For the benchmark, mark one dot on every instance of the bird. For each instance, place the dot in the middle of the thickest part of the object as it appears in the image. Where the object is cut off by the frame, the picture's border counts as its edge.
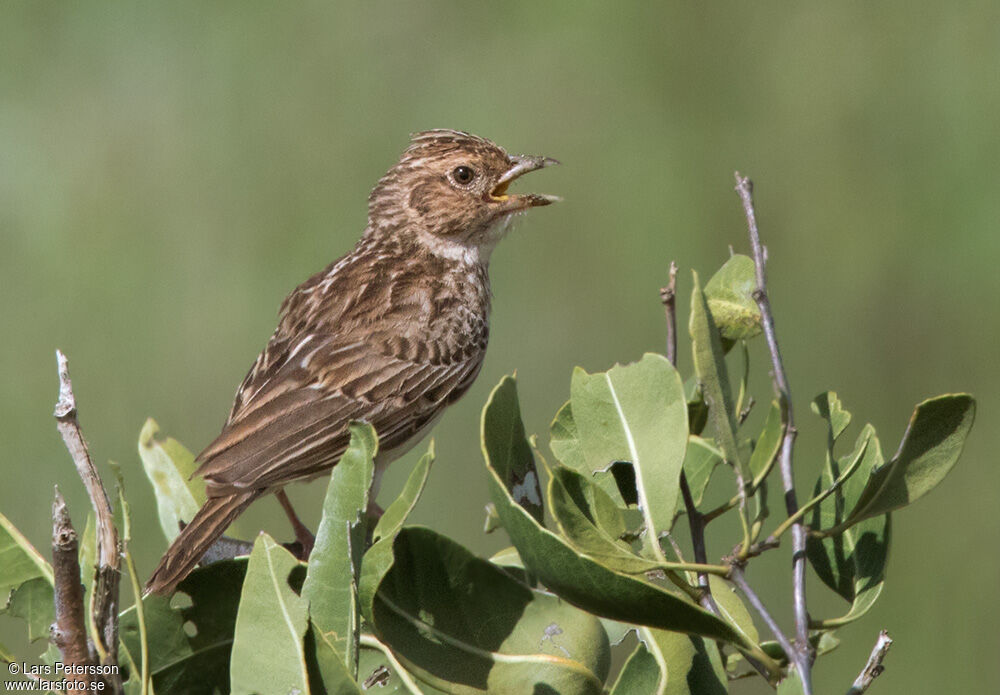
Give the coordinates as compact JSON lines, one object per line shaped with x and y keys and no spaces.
{"x":389,"y":334}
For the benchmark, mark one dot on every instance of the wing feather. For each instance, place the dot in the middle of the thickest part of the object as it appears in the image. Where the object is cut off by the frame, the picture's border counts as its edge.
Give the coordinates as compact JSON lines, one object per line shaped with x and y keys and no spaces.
{"x":364,"y":340}
{"x":303,"y":431}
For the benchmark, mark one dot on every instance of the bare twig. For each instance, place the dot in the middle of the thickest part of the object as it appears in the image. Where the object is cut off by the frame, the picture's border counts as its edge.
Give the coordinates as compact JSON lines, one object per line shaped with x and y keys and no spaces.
{"x":744,"y":188}
{"x":873,"y":669}
{"x":668,"y":295}
{"x":104,"y":596}
{"x":736,"y":577}
{"x":69,"y":631}
{"x":696,"y":520}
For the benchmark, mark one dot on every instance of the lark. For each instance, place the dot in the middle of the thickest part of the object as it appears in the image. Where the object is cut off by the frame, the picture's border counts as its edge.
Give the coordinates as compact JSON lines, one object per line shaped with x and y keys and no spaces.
{"x":390,"y":334}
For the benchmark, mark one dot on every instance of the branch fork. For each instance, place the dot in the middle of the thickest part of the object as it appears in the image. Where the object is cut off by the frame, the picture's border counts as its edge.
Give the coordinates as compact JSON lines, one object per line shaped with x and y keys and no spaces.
{"x":102,"y":646}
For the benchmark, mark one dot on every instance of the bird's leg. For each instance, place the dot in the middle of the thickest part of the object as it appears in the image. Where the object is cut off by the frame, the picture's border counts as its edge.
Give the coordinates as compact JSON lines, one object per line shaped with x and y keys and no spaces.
{"x":303,"y":535}
{"x":374,"y":511}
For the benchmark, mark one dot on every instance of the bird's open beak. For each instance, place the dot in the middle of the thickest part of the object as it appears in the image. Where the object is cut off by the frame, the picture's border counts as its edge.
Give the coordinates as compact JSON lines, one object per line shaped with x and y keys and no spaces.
{"x":522,"y":164}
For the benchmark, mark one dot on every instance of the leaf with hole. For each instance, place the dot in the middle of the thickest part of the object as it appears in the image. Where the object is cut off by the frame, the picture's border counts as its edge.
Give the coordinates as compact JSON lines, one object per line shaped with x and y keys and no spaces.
{"x":193,"y":641}
{"x":380,"y":672}
{"x":581,"y":580}
{"x":634,"y":413}
{"x":590,"y":520}
{"x":514,"y":459}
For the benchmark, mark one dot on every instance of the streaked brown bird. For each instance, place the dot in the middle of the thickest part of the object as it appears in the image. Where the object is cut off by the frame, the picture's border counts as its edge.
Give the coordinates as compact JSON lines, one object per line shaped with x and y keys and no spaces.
{"x":390,"y":334}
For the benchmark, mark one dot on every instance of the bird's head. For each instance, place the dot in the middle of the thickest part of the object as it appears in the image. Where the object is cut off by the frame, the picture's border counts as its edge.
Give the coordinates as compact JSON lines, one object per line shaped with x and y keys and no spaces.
{"x":449,"y":190}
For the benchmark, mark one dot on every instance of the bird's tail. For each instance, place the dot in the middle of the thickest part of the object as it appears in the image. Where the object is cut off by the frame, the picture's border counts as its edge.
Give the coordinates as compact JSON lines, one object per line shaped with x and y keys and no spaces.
{"x":197,"y":537}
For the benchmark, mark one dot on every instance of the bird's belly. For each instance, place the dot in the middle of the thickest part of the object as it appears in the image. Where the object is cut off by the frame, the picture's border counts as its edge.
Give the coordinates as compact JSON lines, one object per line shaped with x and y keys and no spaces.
{"x":384,"y":458}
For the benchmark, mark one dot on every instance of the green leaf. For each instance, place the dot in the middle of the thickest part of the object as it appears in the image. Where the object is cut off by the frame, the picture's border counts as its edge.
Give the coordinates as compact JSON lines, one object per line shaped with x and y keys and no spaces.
{"x":931,"y":445}
{"x":591,"y":522}
{"x":822,"y":642}
{"x":829,"y":407}
{"x":732,"y":608}
{"x":19,"y":561}
{"x":566,"y":446}
{"x":88,"y":551}
{"x":565,"y":441}
{"x":169,"y":467}
{"x":25,"y":581}
{"x":7,"y":656}
{"x":768,"y":443}
{"x":32,"y":601}
{"x":792,"y":684}
{"x":268,"y":654}
{"x":696,"y":405}
{"x":503,"y":435}
{"x":644,"y":673}
{"x":330,"y":586}
{"x":671,"y":663}
{"x":699,"y":463}
{"x":378,"y":559}
{"x":464,"y":625}
{"x":693,"y":665}
{"x":587,"y":583}
{"x":507,"y":557}
{"x":510,"y":562}
{"x":710,"y":367}
{"x":327,"y":671}
{"x":634,"y":413}
{"x":393,"y":518}
{"x":641,"y":674}
{"x":852,"y":563}
{"x":181,"y":664}
{"x":170,"y":652}
{"x":730,"y":299}
{"x":386,"y":675}
{"x":617,"y":632}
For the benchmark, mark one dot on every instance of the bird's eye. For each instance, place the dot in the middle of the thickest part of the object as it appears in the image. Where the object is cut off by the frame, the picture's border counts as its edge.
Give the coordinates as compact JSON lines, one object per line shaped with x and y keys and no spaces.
{"x":463,"y":175}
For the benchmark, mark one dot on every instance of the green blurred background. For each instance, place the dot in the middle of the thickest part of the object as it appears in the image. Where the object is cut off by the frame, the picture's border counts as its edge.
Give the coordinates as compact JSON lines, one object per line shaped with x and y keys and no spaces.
{"x":169,"y":171}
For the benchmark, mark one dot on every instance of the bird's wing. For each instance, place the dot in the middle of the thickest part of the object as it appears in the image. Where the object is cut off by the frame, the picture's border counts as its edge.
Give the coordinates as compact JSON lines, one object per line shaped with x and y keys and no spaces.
{"x":290,"y":422}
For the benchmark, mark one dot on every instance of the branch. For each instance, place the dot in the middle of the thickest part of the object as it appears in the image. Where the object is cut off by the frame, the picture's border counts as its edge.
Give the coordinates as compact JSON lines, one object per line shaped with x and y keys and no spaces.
{"x":736,"y":577}
{"x":873,"y":669}
{"x":104,"y":596}
{"x":69,"y":631}
{"x":668,"y":295}
{"x":696,"y":520}
{"x":745,"y":190}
